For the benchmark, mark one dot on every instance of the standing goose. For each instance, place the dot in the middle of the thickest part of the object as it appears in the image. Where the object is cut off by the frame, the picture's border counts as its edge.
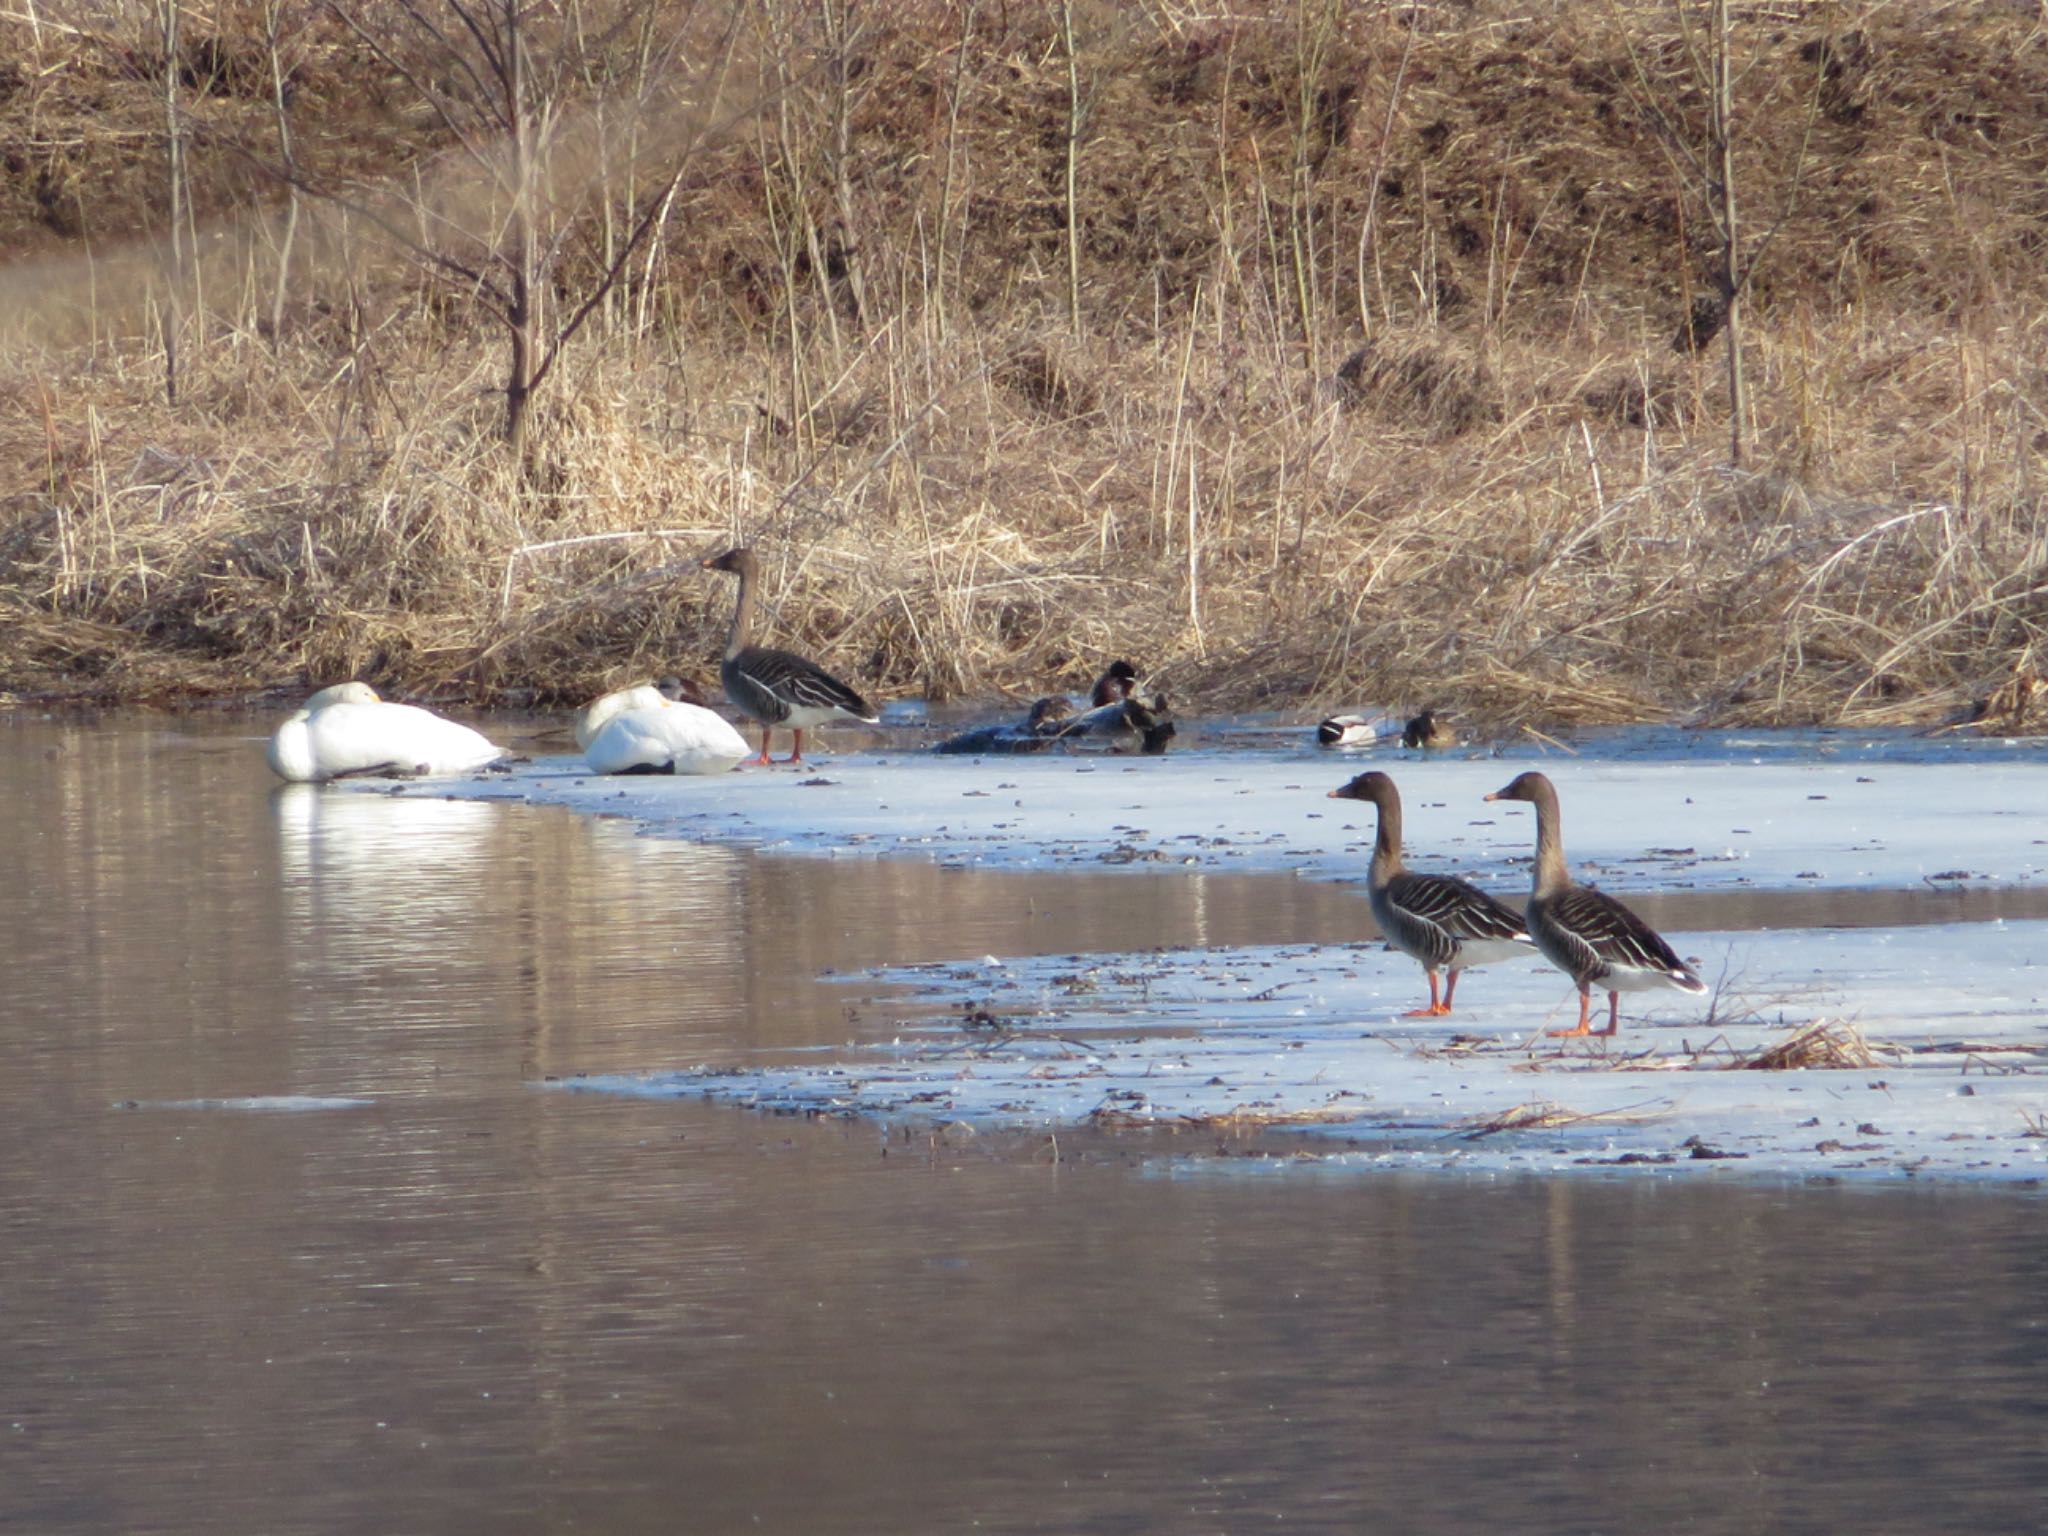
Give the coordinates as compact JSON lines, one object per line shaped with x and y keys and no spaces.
{"x":1440,"y":920}
{"x":777,"y":687}
{"x":1585,"y":933}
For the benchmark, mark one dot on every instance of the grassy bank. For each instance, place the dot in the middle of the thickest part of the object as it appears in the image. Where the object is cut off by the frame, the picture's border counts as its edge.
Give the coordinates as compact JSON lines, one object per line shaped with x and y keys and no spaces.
{"x":1341,"y":360}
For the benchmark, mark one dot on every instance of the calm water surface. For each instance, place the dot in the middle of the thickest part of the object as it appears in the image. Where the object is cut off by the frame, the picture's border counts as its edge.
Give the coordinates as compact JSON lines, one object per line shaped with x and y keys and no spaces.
{"x":458,"y":1301}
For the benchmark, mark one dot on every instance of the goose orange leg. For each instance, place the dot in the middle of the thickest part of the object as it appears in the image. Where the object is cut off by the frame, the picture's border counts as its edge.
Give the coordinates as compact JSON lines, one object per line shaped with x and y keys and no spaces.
{"x":1585,"y":1019}
{"x":1435,"y":1010}
{"x":767,"y":732}
{"x":796,"y":753}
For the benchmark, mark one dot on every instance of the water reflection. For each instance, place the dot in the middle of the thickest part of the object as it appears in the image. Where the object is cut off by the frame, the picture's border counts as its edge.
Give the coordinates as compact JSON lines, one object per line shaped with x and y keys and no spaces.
{"x":477,"y":1306}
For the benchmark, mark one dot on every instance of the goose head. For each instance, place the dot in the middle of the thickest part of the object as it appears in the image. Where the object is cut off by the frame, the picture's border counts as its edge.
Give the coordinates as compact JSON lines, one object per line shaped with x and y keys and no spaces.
{"x":1526,"y":786}
{"x":739,"y":560}
{"x":1367,"y":786}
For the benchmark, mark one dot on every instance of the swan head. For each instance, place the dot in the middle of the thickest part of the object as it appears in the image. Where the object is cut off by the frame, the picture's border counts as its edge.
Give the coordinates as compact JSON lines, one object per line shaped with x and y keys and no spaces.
{"x":676,"y":691}
{"x":342,"y":693}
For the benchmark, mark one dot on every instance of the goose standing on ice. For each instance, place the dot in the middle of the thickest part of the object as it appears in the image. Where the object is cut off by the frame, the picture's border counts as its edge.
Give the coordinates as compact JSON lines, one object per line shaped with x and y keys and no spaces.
{"x":777,"y":687}
{"x":346,"y":731}
{"x":1585,"y":933}
{"x":1446,"y":923}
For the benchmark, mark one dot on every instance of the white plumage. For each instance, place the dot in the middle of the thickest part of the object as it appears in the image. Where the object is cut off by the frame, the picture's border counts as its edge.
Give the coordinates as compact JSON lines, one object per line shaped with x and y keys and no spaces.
{"x":673,"y":738}
{"x":346,"y":731}
{"x":593,"y":716}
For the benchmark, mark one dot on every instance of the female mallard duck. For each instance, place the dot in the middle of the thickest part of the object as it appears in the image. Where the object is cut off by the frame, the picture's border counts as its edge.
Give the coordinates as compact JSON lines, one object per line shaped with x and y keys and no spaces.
{"x":1585,"y":933}
{"x":1427,"y":731}
{"x":1118,"y":681}
{"x":346,"y":731}
{"x":777,"y":687}
{"x":1440,"y":920}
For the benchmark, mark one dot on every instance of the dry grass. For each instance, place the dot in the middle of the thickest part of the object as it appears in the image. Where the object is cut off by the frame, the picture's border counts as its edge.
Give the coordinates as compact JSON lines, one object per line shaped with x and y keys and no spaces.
{"x":1372,"y":395}
{"x":1825,"y":1044}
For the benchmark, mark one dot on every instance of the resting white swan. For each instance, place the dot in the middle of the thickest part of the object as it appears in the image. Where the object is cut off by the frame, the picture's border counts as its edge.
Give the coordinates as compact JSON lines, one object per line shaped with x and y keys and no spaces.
{"x":665,"y":738}
{"x":641,"y":696}
{"x":346,"y":731}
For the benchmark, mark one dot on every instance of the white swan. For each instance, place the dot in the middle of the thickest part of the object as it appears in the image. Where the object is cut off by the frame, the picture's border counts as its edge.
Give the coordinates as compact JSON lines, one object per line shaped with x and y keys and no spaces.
{"x":664,"y":738}
{"x":590,"y":720}
{"x":346,"y":731}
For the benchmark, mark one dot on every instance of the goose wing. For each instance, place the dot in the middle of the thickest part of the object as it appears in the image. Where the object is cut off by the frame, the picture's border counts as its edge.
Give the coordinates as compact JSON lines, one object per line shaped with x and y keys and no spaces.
{"x":794,"y":682}
{"x":1603,"y":936}
{"x":1433,"y":916}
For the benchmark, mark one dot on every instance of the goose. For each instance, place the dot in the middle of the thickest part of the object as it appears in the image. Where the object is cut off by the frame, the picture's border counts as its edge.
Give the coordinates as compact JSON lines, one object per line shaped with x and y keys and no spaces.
{"x":346,"y":731}
{"x":1446,"y":923}
{"x":1585,"y":933}
{"x":777,"y":687}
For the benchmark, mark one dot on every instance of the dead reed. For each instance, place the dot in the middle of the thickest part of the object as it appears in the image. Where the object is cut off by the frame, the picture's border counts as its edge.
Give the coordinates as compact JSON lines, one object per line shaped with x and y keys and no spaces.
{"x":1825,"y":1044}
{"x":1339,"y":369}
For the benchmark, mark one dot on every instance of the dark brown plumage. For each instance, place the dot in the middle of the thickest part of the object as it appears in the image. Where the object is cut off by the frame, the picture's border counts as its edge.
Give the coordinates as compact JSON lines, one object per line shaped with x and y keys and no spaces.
{"x":1585,"y":933}
{"x":777,"y":687}
{"x":1446,"y":923}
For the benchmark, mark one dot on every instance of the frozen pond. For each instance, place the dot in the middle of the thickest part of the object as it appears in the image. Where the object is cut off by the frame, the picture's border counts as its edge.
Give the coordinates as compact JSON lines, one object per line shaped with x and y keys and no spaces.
{"x":297,"y":1239}
{"x":1872,"y":905}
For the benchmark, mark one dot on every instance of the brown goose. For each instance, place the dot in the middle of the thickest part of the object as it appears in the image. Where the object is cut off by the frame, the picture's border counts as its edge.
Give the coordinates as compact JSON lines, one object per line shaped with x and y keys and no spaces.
{"x":1440,"y":920}
{"x":777,"y":687}
{"x":1585,"y":933}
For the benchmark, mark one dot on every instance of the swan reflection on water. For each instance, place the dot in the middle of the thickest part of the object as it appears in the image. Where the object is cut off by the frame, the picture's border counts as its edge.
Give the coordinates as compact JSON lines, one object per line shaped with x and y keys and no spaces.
{"x":409,"y":910}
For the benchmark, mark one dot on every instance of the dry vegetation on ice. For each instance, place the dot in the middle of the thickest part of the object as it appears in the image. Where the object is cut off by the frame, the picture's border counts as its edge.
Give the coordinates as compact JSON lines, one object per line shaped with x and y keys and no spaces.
{"x":1342,"y":357}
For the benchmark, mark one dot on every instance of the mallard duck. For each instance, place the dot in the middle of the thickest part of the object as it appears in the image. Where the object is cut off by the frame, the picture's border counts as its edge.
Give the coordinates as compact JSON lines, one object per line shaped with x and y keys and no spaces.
{"x":777,"y":687}
{"x":1585,"y":933}
{"x":1426,"y":731}
{"x":1446,"y":923}
{"x":1353,"y":730}
{"x":1119,"y":679}
{"x":346,"y":731}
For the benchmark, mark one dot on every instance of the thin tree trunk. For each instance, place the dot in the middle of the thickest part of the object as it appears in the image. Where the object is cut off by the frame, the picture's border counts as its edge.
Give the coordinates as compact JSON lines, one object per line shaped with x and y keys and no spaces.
{"x":1732,"y":274}
{"x":1073,"y":168}
{"x":521,"y":316}
{"x":842,"y":34}
{"x":175,"y":167}
{"x":272,"y":24}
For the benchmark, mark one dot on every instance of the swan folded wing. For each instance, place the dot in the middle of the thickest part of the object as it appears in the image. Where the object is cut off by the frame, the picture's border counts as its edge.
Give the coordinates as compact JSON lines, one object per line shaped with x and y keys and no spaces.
{"x":676,"y":738}
{"x":1609,"y":943}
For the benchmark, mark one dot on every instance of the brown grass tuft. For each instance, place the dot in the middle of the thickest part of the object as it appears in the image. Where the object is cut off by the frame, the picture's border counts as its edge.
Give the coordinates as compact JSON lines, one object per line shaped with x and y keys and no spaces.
{"x":1822,"y":1045}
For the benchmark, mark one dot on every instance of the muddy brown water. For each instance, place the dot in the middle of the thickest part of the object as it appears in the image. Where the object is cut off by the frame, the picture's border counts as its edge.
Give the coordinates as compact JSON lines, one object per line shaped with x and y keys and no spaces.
{"x":425,"y":1294}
